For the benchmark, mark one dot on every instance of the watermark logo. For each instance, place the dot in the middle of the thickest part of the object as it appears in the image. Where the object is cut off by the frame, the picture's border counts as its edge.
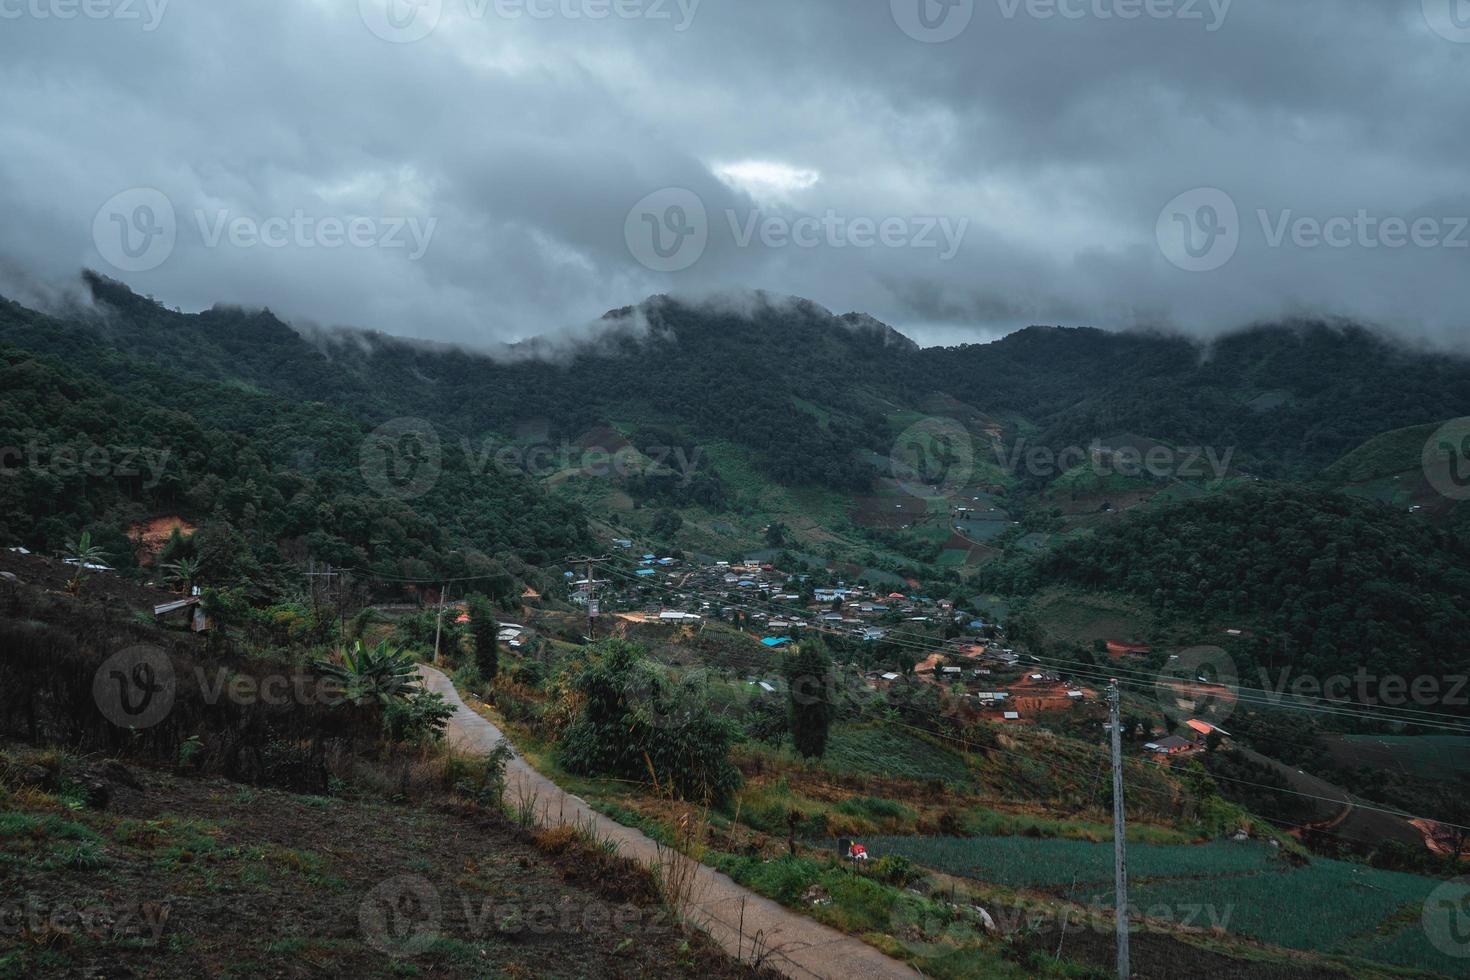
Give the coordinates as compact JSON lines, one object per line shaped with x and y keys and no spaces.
{"x":1365,"y":687}
{"x":1446,"y":918}
{"x":402,"y":459}
{"x":678,"y":12}
{"x":668,"y":230}
{"x":1199,"y":683}
{"x":1363,"y":229}
{"x":41,"y":919}
{"x":933,"y":457}
{"x":1211,"y":13}
{"x":407,"y":916}
{"x":302,"y":230}
{"x":1199,"y":231}
{"x":402,"y":916}
{"x":136,"y":230}
{"x":401,"y":21}
{"x":933,"y":21}
{"x":87,"y":459}
{"x":135,"y":688}
{"x":1447,"y":459}
{"x":1155,"y":460}
{"x":148,"y":12}
{"x":834,"y":230}
{"x":1450,"y":19}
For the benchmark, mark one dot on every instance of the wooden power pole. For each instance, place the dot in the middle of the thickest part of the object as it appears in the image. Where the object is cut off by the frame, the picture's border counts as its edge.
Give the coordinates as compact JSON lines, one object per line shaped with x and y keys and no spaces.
{"x":439,"y":622}
{"x":1120,"y":841}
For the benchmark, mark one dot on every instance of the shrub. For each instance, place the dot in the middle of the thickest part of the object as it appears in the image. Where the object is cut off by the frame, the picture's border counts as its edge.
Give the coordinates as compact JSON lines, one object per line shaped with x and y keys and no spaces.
{"x":896,"y":870}
{"x":633,"y":725}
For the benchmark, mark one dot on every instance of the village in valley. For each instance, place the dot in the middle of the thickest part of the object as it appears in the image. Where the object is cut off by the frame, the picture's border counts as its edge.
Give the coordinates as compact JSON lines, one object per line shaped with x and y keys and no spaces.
{"x":964,"y":655}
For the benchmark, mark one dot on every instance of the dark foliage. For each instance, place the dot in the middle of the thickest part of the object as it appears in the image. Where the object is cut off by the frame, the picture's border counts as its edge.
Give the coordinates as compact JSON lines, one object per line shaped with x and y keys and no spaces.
{"x":637,"y":725}
{"x":812,"y":687}
{"x":484,"y":633}
{"x":1334,"y":584}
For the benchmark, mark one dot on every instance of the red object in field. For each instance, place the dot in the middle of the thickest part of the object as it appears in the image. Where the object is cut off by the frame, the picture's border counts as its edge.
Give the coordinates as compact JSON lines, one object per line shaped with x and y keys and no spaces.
{"x":858,"y":852}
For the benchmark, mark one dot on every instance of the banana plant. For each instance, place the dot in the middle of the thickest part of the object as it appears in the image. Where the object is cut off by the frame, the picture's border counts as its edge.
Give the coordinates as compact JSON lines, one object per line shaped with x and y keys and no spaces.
{"x":382,"y":674}
{"x":82,"y":552}
{"x":184,"y":571}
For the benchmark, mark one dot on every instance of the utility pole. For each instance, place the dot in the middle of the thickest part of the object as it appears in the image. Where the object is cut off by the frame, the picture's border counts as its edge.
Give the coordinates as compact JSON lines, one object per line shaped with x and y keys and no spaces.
{"x":1120,"y":842}
{"x":318,"y":590}
{"x":439,"y":622}
{"x":593,"y":611}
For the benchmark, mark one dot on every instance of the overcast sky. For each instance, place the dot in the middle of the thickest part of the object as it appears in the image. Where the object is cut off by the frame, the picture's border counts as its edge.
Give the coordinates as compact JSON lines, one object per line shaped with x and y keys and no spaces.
{"x":484,"y":170}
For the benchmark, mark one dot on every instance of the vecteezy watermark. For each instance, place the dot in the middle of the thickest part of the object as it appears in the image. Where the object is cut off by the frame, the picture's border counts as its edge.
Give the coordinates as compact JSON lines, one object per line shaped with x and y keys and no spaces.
{"x":402,"y":459}
{"x":1211,"y":13}
{"x":138,"y":687}
{"x":1200,"y":683}
{"x":138,"y":229}
{"x":302,"y":230}
{"x":401,"y":916}
{"x":1446,"y":918}
{"x":933,"y":456}
{"x":43,"y":920}
{"x":937,"y":21}
{"x":148,"y":13}
{"x":938,"y":456}
{"x":834,"y":230}
{"x":406,"y":21}
{"x":88,"y":459}
{"x":135,"y":687}
{"x":405,"y":916}
{"x":1447,"y":459}
{"x":1450,"y":19}
{"x":933,"y":21}
{"x":930,"y":928}
{"x":1157,"y":460}
{"x":1201,"y":230}
{"x":669,"y":230}
{"x":135,"y":231}
{"x":1366,"y":687}
{"x":541,"y":460}
{"x":1363,"y":229}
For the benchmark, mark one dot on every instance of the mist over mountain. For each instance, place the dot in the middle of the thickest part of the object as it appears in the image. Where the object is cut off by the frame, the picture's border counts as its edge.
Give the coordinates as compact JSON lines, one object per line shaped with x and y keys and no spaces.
{"x":1056,"y":143}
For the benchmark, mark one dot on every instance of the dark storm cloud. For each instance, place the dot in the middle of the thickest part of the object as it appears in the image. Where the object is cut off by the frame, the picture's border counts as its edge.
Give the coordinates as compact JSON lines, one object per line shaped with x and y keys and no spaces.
{"x":479,"y":183}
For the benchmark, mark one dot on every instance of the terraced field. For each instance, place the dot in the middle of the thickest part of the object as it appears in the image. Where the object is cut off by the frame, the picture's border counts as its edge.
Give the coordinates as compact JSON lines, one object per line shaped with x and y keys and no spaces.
{"x":1244,"y":888}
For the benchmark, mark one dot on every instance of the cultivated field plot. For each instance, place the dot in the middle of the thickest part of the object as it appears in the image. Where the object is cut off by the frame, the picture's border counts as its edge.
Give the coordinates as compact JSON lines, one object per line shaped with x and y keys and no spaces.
{"x":874,"y":751}
{"x":1427,"y":756}
{"x":1354,"y":910}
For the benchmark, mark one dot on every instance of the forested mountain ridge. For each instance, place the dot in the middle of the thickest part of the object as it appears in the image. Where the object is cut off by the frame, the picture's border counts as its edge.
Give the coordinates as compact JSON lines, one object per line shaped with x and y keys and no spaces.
{"x":270,"y":481}
{"x":813,"y":399}
{"x":1330,"y":583}
{"x":1289,"y":400}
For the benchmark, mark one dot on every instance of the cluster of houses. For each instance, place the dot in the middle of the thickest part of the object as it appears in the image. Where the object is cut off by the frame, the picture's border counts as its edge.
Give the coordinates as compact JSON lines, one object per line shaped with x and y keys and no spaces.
{"x":1195,"y":735}
{"x":977,"y":671}
{"x":755,"y":592}
{"x":990,"y":682}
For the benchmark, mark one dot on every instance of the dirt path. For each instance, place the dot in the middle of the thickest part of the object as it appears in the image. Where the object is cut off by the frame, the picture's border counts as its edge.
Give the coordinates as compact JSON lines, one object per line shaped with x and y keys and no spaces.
{"x":801,"y":948}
